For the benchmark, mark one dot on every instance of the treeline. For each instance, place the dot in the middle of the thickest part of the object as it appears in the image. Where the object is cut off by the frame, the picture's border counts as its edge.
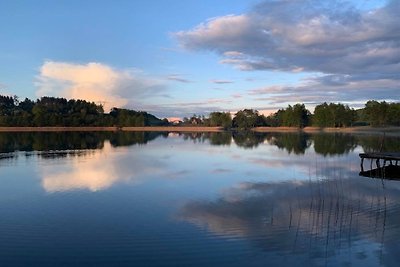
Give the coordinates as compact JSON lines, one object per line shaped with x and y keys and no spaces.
{"x":52,"y":111}
{"x":337,"y":115}
{"x":325,"y":115}
{"x":381,"y":113}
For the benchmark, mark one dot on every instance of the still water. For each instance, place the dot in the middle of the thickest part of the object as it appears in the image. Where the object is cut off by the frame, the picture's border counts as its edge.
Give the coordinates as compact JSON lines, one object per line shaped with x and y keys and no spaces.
{"x":169,"y":199}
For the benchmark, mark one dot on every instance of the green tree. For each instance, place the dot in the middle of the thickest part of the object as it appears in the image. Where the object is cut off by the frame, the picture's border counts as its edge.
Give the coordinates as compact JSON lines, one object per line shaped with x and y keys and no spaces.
{"x":275,"y":119}
{"x":246,"y":119}
{"x":322,"y":116}
{"x":394,"y":114}
{"x":222,"y":119}
{"x":301,"y":116}
{"x":376,"y":112}
{"x":296,"y":116}
{"x":333,"y":115}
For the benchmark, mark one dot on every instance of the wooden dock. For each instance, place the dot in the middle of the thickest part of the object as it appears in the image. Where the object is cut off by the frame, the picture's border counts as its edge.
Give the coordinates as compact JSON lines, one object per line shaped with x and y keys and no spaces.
{"x":387,"y":165}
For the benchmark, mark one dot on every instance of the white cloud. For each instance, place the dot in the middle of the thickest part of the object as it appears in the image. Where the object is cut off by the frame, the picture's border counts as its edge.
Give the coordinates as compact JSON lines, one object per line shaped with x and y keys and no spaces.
{"x":356,"y":52}
{"x":312,"y":35}
{"x":233,"y":54}
{"x":94,"y":82}
{"x":217,"y":32}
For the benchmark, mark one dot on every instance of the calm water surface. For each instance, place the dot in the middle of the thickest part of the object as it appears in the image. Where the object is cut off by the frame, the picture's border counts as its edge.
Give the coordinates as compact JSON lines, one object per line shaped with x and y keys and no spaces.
{"x":159,"y":199}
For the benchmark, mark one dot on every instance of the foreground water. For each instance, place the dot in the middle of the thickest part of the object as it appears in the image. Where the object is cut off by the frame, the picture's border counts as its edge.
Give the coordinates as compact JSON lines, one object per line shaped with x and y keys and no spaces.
{"x":159,"y":199}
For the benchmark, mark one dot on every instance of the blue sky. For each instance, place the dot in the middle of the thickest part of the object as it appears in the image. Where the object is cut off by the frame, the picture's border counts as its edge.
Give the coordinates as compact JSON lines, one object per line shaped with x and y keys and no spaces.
{"x":175,"y":58}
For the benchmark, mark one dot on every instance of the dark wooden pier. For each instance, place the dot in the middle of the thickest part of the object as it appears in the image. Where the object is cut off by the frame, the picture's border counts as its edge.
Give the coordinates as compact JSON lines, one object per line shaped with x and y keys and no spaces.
{"x":387,"y":165}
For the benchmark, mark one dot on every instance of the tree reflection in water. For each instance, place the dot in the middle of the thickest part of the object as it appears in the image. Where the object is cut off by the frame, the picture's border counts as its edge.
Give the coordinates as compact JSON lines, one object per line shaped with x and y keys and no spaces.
{"x":63,"y":144}
{"x":325,"y":144}
{"x":333,"y":218}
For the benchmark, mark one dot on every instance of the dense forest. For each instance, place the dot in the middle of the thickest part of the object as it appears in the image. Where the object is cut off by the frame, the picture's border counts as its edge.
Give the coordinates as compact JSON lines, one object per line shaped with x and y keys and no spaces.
{"x":374,"y":113}
{"x":52,"y":111}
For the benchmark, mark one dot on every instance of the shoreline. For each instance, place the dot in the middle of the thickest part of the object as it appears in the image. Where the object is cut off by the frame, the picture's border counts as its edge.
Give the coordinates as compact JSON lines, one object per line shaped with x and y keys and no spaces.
{"x":349,"y":130}
{"x":112,"y":129}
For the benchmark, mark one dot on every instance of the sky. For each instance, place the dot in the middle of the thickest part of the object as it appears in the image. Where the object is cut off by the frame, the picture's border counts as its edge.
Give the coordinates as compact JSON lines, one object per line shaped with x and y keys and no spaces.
{"x":176,"y":58}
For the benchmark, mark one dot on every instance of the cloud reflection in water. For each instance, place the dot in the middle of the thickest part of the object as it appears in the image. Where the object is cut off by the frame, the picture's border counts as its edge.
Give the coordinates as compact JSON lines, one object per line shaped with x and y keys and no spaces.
{"x":97,"y":171}
{"x":317,"y":220}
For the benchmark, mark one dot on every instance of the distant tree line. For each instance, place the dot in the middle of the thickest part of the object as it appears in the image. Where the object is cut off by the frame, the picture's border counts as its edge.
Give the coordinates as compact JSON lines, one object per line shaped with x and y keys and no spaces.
{"x":325,"y":115}
{"x":52,"y":111}
{"x":292,"y":116}
{"x":334,"y":115}
{"x":337,"y":115}
{"x":381,"y":113}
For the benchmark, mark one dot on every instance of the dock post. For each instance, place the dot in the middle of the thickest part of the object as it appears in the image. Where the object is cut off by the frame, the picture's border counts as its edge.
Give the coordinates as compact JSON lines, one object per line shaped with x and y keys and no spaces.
{"x":362,"y":164}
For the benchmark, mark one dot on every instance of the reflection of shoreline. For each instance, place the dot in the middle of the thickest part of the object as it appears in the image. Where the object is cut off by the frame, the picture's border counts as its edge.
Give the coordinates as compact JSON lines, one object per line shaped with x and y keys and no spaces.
{"x":113,"y":129}
{"x":57,"y":129}
{"x":54,"y":154}
{"x":395,"y":131}
{"x":326,"y":144}
{"x":391,"y":131}
{"x":48,"y":142}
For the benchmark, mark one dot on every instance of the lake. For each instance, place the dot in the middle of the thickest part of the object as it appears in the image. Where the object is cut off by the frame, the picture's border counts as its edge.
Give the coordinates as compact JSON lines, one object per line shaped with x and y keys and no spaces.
{"x":200,"y":199}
